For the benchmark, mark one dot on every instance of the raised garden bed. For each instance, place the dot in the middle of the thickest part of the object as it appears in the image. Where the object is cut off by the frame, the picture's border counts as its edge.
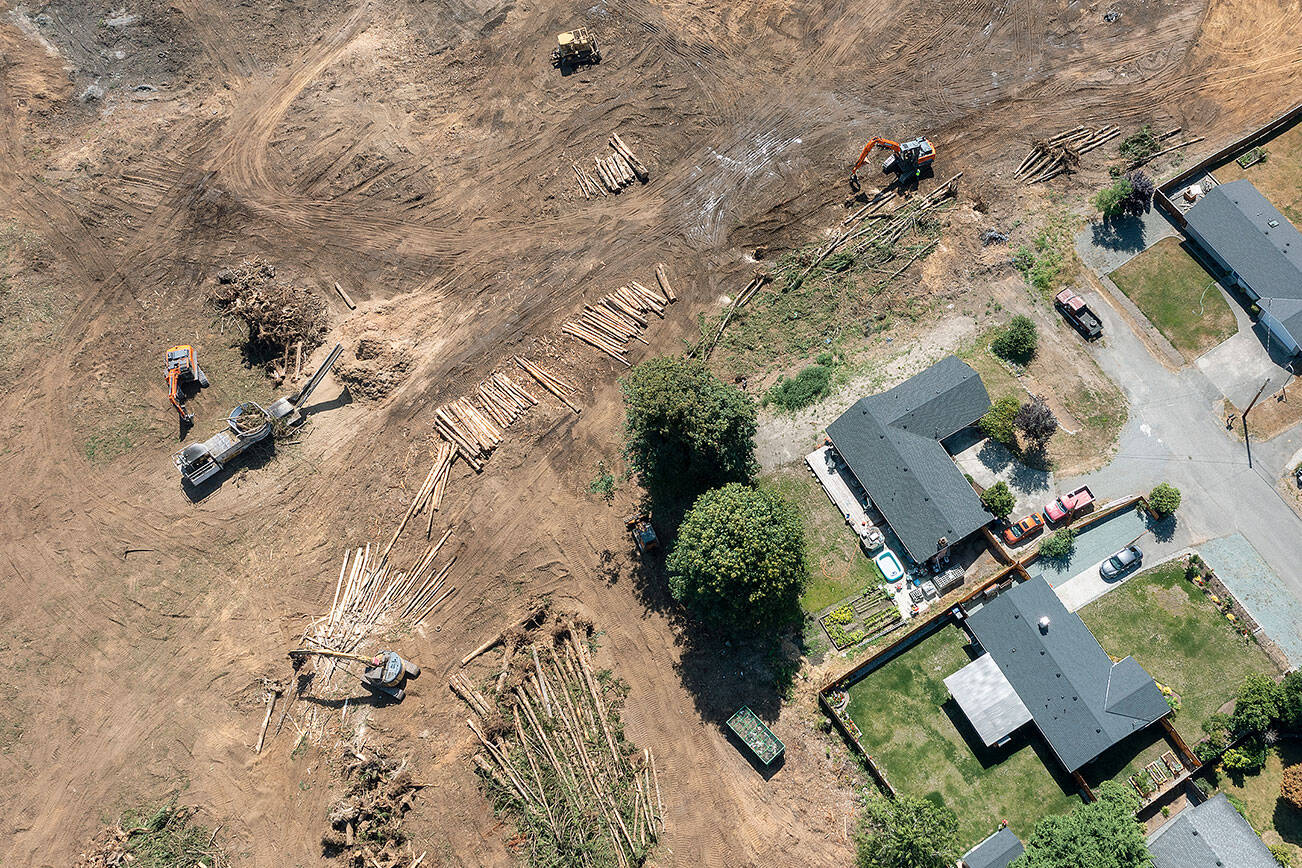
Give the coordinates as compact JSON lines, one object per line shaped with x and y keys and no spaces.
{"x":867,"y":616}
{"x":751,"y":730}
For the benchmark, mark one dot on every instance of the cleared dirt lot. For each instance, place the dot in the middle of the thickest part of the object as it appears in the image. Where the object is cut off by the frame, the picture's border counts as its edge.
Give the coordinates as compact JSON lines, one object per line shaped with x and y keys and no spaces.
{"x":419,"y":154}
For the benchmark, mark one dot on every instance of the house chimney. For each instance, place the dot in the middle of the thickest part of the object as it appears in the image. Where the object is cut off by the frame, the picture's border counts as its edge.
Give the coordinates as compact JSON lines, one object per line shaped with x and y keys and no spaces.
{"x":1044,"y":624}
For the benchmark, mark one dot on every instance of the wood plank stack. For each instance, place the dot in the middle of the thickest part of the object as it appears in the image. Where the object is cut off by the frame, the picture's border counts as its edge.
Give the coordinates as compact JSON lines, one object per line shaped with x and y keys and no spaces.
{"x":430,"y":494}
{"x":476,"y":429}
{"x":618,"y":319}
{"x":563,"y":391}
{"x":614,"y":172}
{"x":1062,"y":153}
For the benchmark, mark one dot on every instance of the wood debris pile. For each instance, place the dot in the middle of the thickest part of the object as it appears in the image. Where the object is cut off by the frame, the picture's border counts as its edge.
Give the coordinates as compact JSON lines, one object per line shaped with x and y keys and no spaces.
{"x":552,"y":747}
{"x":476,"y":425}
{"x":166,"y":837}
{"x":621,"y":316}
{"x":614,"y":172}
{"x":1062,"y":153}
{"x":366,"y":823}
{"x":278,"y":315}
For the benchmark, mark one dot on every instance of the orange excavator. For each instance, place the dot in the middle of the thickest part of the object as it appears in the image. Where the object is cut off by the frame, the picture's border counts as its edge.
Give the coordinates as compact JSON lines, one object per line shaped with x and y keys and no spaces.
{"x":907,"y":159}
{"x":182,"y":369}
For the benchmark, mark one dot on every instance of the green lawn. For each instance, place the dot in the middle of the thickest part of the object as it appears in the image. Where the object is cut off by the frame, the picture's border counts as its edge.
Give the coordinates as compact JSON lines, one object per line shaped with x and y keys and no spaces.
{"x":927,"y":748}
{"x":1178,"y":296}
{"x":838,"y":568}
{"x":1279,"y":178}
{"x":1174,"y":631}
{"x":1274,"y":820}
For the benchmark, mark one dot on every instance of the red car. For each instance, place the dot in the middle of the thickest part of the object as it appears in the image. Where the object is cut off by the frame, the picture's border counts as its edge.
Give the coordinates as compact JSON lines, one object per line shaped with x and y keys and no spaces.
{"x":1069,"y":504}
{"x":1025,"y":528}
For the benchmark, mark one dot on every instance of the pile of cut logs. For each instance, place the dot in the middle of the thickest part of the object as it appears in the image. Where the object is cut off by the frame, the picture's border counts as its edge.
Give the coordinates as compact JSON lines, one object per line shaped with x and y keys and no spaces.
{"x":614,"y":173}
{"x":1062,"y":153}
{"x":621,"y":316}
{"x":563,"y":391}
{"x":475,"y":430}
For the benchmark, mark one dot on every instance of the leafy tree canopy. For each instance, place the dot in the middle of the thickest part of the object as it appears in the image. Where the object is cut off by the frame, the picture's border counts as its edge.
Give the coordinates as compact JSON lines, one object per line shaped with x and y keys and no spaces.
{"x":998,"y":500}
{"x":1258,"y":703}
{"x":997,"y":423}
{"x":1102,"y":834}
{"x":685,"y":430}
{"x":1017,"y":341}
{"x":1058,"y":544}
{"x":739,"y":560}
{"x":1036,"y":421}
{"x":1164,"y":498}
{"x":906,"y":832}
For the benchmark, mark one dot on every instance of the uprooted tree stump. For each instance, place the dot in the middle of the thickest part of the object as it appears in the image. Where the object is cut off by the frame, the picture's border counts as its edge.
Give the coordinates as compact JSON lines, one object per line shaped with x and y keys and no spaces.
{"x":279,"y":316}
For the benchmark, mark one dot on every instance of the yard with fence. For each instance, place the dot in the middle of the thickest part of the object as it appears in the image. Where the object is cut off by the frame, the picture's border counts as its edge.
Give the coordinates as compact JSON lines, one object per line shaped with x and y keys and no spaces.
{"x":926,"y":747}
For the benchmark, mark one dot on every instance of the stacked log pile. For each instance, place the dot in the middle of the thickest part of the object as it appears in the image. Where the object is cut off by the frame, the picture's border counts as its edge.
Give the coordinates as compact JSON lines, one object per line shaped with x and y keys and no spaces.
{"x":613,"y":172}
{"x":551,"y":747}
{"x":1062,"y":153}
{"x":475,"y":429}
{"x":619,"y":318}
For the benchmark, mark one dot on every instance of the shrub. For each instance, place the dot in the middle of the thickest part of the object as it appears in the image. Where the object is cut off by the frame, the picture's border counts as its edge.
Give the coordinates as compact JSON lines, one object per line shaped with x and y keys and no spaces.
{"x":1206,"y":751}
{"x":603,"y":483}
{"x":1110,"y":200}
{"x":1140,"y":145}
{"x":1036,"y":421}
{"x":906,"y":832}
{"x":1283,"y":855}
{"x":998,"y":500}
{"x":997,"y":423}
{"x":685,"y":431}
{"x":1290,"y":711}
{"x":739,"y":561}
{"x":1164,"y":498}
{"x":1058,"y":544}
{"x":1248,"y":758}
{"x":1102,"y":834}
{"x":1217,"y":726}
{"x":1141,"y":194}
{"x":1017,"y":341}
{"x":801,"y":390}
{"x":1290,"y":789}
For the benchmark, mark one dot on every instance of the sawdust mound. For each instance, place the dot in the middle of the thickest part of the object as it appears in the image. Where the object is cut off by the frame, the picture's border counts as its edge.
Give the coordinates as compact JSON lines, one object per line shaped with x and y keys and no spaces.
{"x":378,"y":367}
{"x":277,"y":314}
{"x":366,"y":823}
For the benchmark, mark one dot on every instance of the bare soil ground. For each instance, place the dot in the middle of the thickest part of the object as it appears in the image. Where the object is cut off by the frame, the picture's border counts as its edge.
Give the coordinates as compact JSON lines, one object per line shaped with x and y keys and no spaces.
{"x":418,"y":153}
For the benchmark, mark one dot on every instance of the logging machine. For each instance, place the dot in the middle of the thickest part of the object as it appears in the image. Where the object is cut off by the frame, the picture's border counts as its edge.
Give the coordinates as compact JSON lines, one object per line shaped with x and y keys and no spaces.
{"x":247,"y":424}
{"x":181,"y":368}
{"x":386,"y":673}
{"x":575,"y":48}
{"x":907,"y":160}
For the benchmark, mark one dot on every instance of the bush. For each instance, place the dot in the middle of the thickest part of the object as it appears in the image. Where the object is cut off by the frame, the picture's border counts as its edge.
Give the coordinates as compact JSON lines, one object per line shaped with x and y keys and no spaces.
{"x":1206,"y":751}
{"x":906,"y":832}
{"x":998,"y":500}
{"x":1140,"y":145}
{"x":1140,"y":199}
{"x":997,"y":423}
{"x":1164,"y":499}
{"x":1248,"y":758}
{"x":1110,"y":200}
{"x":1217,"y":727}
{"x":1102,"y":834}
{"x":1290,"y":789}
{"x":1290,"y":706}
{"x":1283,"y":855}
{"x":1258,"y":704}
{"x":739,"y":561}
{"x":1036,"y":421}
{"x":1058,"y":544}
{"x":1017,"y":341}
{"x":685,"y":431}
{"x":801,"y":390}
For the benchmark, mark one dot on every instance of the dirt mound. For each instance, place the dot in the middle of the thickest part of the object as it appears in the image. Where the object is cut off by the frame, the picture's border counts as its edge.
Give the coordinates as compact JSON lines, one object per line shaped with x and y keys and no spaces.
{"x":379,"y":367}
{"x":165,"y":837}
{"x":366,"y":824}
{"x":278,"y":315}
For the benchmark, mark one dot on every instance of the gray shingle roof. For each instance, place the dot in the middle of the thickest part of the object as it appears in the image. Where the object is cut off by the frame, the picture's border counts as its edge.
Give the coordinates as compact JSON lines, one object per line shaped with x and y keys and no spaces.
{"x":891,"y":442}
{"x":1235,"y":220}
{"x":987,"y":699}
{"x":1211,"y":835}
{"x":1081,"y":701}
{"x":997,"y":851}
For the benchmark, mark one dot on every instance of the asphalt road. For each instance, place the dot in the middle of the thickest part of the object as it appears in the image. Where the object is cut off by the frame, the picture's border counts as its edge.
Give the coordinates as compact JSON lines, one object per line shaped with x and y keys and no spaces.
{"x":1175,"y":434}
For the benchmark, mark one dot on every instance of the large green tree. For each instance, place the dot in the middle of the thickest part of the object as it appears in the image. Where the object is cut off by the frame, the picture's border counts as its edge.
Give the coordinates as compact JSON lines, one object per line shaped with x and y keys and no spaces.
{"x":906,"y":832}
{"x":1258,"y":704}
{"x":739,"y":560}
{"x":685,"y":430}
{"x":1102,"y":834}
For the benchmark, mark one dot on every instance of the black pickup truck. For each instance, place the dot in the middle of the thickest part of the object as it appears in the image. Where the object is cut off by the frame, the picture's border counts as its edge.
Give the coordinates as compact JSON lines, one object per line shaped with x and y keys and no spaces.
{"x":1078,"y":313}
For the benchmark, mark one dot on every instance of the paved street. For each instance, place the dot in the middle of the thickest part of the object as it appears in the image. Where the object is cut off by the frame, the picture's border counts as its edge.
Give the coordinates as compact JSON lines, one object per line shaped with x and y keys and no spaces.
{"x":1175,"y":434}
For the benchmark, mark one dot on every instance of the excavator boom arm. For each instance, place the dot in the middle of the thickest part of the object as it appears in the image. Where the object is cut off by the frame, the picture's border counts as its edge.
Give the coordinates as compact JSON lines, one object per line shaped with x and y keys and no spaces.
{"x":174,"y":393}
{"x":868,"y":149}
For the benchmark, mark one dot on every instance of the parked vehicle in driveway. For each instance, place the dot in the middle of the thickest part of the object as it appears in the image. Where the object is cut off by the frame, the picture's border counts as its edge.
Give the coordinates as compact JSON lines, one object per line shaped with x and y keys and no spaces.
{"x":1078,"y":313}
{"x":1122,"y":562}
{"x":1024,"y":529}
{"x":1069,"y":504}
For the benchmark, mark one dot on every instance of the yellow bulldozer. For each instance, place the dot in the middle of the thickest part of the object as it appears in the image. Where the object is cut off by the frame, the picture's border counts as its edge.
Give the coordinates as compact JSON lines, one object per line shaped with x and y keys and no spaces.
{"x":575,"y":48}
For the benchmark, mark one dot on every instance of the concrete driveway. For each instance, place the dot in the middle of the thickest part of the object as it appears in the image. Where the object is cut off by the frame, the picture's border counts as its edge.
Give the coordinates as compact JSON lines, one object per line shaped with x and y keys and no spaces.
{"x":989,"y":462}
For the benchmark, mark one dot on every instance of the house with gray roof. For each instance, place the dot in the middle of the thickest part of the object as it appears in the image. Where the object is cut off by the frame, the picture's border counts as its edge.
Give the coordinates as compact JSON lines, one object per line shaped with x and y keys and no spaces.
{"x":997,"y":851}
{"x":1210,"y":835}
{"x":892,"y":443}
{"x":1259,"y":249}
{"x":1046,"y":666}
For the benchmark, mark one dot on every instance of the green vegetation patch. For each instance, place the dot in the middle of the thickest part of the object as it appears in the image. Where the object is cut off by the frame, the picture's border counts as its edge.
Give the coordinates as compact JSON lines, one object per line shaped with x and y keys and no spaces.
{"x":928,"y":749}
{"x":1178,"y":296}
{"x":1257,"y":798}
{"x":1048,"y":261}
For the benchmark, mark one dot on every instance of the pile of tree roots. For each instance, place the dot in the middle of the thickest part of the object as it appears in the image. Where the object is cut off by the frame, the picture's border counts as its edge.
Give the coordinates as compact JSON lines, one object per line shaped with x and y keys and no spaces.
{"x":279,"y":316}
{"x":366,"y":823}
